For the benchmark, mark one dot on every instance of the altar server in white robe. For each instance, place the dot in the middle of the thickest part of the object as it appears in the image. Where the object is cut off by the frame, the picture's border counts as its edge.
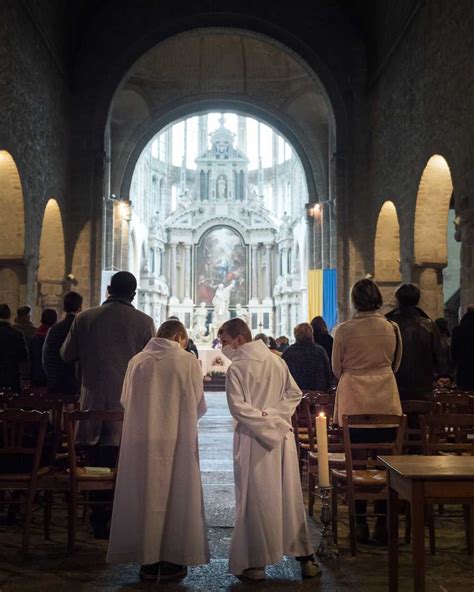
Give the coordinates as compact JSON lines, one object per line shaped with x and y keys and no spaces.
{"x":158,"y":515}
{"x":270,"y":517}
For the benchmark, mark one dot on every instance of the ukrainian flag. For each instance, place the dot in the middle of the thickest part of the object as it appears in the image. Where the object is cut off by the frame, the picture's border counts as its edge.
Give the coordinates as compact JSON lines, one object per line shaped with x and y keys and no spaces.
{"x":322,"y":295}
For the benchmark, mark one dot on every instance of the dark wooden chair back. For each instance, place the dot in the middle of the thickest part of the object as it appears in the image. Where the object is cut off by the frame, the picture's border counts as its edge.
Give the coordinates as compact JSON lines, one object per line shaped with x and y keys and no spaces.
{"x":363,"y":455}
{"x":451,"y":433}
{"x":22,"y":434}
{"x":416,"y":437}
{"x":70,"y":421}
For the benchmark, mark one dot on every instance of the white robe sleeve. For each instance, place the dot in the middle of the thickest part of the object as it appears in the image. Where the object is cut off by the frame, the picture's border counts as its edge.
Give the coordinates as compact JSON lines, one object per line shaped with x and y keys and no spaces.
{"x":269,"y":429}
{"x":198,"y":387}
{"x":290,"y":400}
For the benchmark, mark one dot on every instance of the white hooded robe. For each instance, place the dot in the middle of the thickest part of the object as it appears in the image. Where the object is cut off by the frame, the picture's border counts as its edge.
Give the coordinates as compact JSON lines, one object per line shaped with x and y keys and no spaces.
{"x":270,"y":515}
{"x":158,"y":512}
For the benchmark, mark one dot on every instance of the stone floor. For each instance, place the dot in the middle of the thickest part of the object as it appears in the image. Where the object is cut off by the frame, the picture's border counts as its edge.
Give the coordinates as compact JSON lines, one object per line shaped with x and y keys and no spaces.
{"x":48,"y":568}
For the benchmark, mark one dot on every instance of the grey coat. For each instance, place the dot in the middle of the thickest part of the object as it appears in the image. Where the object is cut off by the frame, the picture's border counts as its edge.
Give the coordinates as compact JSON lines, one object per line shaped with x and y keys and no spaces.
{"x":103,"y":340}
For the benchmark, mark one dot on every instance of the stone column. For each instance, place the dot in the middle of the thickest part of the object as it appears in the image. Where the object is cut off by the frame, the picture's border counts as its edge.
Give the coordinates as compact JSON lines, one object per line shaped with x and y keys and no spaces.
{"x":173,"y":247}
{"x":187,"y":271}
{"x":254,"y":292}
{"x":340,"y":196}
{"x":429,"y":278}
{"x":268,"y":271}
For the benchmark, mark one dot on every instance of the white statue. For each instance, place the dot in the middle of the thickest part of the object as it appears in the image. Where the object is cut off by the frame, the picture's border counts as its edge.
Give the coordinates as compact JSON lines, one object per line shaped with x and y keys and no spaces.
{"x":242,"y":313}
{"x":199,"y":326}
{"x":221,"y":187}
{"x":221,"y":302}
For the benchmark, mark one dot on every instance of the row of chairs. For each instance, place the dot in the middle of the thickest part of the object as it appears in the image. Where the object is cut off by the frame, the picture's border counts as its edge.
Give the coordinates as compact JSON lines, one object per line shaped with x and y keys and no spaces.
{"x":423,"y":429}
{"x":39,"y":459}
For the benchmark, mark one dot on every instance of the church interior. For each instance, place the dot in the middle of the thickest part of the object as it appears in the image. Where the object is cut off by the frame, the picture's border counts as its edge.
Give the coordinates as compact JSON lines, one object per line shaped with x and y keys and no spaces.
{"x":242,"y":160}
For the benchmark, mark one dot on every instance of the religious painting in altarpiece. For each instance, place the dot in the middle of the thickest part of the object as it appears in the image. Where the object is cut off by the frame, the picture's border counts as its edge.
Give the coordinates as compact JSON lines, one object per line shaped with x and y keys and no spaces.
{"x":221,"y":258}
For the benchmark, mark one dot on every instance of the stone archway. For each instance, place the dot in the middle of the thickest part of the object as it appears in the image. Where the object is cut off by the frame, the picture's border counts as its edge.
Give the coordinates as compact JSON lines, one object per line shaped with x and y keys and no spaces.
{"x":387,"y":253}
{"x":13,"y":272}
{"x":81,"y":264}
{"x":51,"y":269}
{"x":430,"y":239}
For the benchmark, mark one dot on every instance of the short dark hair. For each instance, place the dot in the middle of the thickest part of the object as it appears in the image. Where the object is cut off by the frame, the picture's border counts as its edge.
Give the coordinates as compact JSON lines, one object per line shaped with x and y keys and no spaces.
{"x":171,"y":328}
{"x":49,"y":317}
{"x":366,"y":296}
{"x":303,"y":333}
{"x":72,"y":302}
{"x":443,"y":326}
{"x":23,"y":311}
{"x":123,"y":283}
{"x":234,"y":328}
{"x":5,"y":312}
{"x":261,"y":337}
{"x":319,"y":326}
{"x":408,"y":295}
{"x":272,"y":344}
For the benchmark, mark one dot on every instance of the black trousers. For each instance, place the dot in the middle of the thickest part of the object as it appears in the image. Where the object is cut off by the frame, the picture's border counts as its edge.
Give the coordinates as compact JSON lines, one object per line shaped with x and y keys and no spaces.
{"x":371,"y":435}
{"x":101,"y":513}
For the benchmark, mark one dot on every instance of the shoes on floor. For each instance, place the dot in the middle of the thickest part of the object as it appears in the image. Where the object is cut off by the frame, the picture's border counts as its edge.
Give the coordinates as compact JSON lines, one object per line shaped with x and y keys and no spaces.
{"x":162,"y":571}
{"x":310,"y":568}
{"x":256,"y":574}
{"x":149,"y":573}
{"x":362,"y":533}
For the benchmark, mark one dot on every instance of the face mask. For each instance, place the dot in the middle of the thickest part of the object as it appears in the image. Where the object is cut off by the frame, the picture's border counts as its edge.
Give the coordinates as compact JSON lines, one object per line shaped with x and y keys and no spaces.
{"x":229,"y":352}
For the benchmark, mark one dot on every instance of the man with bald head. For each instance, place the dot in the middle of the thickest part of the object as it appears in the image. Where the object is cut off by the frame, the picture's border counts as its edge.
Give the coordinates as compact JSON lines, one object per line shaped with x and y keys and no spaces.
{"x":102,"y":340}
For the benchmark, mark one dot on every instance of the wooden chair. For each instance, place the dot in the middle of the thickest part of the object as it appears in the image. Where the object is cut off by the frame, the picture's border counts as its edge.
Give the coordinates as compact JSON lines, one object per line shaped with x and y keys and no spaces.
{"x":79,"y":480}
{"x":335,"y":449}
{"x":454,"y":434}
{"x":455,"y":401}
{"x":416,"y":434}
{"x":363,"y":477}
{"x":22,"y":436}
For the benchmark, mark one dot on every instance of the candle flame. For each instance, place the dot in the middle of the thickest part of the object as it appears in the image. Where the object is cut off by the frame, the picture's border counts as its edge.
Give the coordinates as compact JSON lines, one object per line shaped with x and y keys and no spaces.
{"x":322,"y":415}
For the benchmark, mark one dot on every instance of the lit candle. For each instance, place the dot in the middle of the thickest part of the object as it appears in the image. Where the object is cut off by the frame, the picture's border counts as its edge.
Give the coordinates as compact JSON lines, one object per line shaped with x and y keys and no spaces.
{"x":323,"y":459}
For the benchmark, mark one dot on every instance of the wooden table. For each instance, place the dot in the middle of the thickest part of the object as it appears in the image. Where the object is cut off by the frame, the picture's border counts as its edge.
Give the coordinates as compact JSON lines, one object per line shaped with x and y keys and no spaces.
{"x":423,"y":480}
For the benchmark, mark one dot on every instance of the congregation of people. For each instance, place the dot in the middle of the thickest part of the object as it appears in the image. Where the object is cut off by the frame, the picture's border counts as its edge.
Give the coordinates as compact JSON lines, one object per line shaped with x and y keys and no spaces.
{"x":111,"y":357}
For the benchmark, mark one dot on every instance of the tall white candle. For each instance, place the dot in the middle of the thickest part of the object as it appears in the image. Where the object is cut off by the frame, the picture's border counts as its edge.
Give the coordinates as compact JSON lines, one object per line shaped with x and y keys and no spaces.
{"x":322,"y":442}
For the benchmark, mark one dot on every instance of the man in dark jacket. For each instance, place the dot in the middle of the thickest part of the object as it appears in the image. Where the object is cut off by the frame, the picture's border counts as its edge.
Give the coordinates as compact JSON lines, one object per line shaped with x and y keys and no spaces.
{"x":462,"y":350}
{"x":23,"y":323}
{"x":13,"y":351}
{"x":308,"y":362}
{"x":103,"y":340}
{"x":422,"y":359}
{"x":60,"y":375}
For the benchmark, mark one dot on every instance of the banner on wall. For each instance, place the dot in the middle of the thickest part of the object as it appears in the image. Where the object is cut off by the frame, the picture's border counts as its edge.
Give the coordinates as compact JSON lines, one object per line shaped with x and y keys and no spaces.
{"x":322,"y":295}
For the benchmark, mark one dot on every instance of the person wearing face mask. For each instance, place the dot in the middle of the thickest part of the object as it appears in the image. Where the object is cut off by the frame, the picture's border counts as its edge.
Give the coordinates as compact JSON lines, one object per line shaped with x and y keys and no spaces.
{"x":270,"y":517}
{"x":158,"y":513}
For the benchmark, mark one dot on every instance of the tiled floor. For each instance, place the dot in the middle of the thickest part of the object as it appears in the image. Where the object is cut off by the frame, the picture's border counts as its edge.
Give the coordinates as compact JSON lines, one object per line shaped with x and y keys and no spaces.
{"x":50,"y":569}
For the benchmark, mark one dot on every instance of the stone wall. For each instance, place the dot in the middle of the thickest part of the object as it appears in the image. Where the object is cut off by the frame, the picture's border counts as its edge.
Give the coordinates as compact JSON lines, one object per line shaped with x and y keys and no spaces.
{"x":34,"y":127}
{"x":421,"y":103}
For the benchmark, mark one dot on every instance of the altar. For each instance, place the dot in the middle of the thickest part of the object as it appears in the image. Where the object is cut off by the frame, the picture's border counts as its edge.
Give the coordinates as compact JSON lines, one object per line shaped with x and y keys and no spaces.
{"x":212,"y":360}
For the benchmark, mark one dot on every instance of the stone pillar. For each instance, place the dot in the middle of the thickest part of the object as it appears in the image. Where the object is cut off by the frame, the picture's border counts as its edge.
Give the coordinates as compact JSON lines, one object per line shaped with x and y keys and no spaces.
{"x":429,"y":278}
{"x":173,"y":277}
{"x":317,"y":236}
{"x":202,"y":133}
{"x":242,"y":134}
{"x":338,"y":173}
{"x":268,"y":271}
{"x":254,"y":272}
{"x":187,"y":272}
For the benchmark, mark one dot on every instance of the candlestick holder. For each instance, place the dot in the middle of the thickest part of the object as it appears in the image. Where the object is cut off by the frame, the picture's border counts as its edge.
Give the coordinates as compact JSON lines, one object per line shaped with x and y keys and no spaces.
{"x":327,"y":548}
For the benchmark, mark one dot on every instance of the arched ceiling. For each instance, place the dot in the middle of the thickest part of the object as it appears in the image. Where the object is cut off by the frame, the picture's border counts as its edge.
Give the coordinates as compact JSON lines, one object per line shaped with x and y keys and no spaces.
{"x":216,"y":68}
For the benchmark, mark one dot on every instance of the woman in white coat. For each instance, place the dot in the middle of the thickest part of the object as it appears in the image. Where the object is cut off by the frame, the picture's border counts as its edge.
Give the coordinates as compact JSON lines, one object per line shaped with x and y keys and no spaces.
{"x":367,"y":351}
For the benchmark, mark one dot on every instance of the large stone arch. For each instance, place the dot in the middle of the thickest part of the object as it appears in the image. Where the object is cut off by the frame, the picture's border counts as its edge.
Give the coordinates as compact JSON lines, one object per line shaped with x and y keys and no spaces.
{"x":100,"y":73}
{"x":387,"y":252}
{"x":185,"y":74}
{"x":51,"y":266}
{"x":430,"y":232}
{"x":13,"y":272}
